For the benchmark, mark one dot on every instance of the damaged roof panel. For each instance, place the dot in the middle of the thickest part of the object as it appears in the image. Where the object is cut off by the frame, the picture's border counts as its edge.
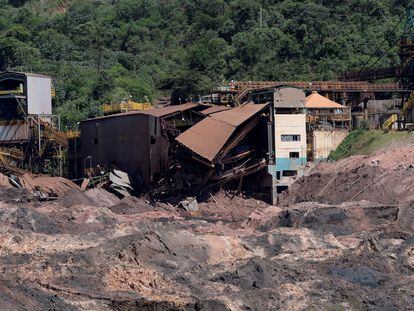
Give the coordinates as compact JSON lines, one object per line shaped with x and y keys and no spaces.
{"x":208,"y":137}
{"x":239,"y":115}
{"x":168,"y":110}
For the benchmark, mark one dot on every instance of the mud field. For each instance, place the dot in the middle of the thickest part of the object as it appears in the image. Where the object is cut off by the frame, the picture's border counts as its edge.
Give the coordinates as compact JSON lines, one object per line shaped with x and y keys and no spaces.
{"x":341,"y":239}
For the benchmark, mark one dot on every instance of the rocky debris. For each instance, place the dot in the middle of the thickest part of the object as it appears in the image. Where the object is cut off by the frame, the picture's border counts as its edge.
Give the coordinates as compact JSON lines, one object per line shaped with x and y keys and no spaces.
{"x":91,"y":251}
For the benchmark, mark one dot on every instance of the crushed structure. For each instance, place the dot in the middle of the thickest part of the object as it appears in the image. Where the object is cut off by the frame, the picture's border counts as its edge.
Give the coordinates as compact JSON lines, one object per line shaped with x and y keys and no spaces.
{"x":226,"y":145}
{"x":185,"y":150}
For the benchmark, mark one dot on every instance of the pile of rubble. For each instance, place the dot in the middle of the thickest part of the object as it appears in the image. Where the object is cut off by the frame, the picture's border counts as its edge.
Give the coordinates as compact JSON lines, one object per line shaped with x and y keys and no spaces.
{"x":91,"y":250}
{"x":41,"y":187}
{"x":235,"y":148}
{"x":111,"y":179}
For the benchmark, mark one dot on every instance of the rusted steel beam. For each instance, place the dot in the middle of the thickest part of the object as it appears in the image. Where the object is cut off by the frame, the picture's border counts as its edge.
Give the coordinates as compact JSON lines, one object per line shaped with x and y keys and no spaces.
{"x":324,"y":86}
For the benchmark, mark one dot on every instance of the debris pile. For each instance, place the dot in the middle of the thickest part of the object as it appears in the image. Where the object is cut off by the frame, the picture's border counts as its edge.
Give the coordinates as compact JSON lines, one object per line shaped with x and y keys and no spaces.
{"x":111,"y":179}
{"x":41,"y":187}
{"x":235,"y":148}
{"x":94,"y":251}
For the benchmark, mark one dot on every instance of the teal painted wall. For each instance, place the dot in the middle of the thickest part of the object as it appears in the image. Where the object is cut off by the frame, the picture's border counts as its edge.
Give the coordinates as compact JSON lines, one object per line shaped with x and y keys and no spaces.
{"x":288,"y":164}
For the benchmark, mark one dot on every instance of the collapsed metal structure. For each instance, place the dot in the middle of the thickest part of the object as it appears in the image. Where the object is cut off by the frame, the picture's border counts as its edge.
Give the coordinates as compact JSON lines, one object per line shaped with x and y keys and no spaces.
{"x":226,"y":146}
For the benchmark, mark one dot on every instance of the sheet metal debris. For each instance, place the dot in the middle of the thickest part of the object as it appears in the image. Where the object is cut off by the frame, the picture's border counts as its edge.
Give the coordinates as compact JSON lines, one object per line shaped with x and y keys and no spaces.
{"x":189,"y":204}
{"x":41,"y":187}
{"x":113,"y":180}
{"x":208,"y":137}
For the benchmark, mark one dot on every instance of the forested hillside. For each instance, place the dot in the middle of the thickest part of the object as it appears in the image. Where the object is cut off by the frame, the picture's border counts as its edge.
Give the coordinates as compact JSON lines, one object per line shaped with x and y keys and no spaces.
{"x":103,"y":51}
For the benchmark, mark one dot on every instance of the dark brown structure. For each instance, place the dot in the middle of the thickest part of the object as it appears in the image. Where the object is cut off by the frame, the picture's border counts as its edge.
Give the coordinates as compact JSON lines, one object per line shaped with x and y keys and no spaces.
{"x":136,"y":142}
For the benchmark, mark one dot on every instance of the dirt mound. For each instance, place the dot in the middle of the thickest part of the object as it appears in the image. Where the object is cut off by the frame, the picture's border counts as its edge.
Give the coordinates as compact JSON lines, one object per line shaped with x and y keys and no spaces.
{"x":382,"y":178}
{"x":131,"y":205}
{"x":339,"y":220}
{"x":75,"y":197}
{"x":257,"y":273}
{"x":101,"y":197}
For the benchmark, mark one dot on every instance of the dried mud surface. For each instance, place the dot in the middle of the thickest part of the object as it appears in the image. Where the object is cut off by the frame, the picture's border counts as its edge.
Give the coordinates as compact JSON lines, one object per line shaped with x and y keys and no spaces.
{"x":319,"y":250}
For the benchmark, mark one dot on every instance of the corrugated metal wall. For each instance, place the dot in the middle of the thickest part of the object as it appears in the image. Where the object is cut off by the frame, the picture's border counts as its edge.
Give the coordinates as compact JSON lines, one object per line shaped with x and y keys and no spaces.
{"x":131,"y":142}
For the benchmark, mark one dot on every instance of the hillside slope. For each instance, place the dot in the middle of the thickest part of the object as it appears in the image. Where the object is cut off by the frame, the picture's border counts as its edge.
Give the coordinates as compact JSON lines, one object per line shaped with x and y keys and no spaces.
{"x":362,"y":142}
{"x":103,"y":51}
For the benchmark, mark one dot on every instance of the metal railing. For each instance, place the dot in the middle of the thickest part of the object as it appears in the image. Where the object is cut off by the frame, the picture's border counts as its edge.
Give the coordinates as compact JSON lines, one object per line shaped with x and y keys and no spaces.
{"x":323,"y":86}
{"x":125,"y":107}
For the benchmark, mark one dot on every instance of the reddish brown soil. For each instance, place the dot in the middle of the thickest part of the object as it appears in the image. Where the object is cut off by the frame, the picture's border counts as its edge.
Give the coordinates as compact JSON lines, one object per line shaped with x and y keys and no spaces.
{"x":92,"y":251}
{"x":386,"y":177}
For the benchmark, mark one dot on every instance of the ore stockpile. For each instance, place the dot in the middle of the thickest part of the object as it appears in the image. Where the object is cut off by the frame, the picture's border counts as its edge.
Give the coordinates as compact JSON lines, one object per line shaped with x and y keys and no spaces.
{"x":337,"y":241}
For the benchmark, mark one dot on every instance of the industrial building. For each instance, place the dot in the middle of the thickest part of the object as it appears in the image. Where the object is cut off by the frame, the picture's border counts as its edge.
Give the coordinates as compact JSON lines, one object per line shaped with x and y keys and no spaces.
{"x":287,"y":136}
{"x":30,"y":138}
{"x":186,"y":149}
{"x":136,"y":142}
{"x":262,"y":145}
{"x":327,"y":124}
{"x":229,"y":147}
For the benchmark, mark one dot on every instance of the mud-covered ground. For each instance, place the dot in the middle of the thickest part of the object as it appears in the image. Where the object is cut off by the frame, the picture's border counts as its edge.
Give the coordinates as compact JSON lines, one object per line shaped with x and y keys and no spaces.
{"x":91,"y":251}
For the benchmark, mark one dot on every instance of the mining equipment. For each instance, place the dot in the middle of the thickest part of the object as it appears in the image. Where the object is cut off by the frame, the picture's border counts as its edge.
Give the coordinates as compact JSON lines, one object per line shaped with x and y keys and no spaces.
{"x":30,"y":136}
{"x":403,"y":74}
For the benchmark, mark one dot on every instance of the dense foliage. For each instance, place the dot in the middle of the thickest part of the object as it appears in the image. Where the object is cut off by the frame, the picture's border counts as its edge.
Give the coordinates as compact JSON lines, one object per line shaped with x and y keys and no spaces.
{"x":106,"y":50}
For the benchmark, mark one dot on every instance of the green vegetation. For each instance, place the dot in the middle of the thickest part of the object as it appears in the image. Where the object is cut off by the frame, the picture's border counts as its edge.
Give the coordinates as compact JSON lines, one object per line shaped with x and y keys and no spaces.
{"x":362,"y":141}
{"x":105,"y":50}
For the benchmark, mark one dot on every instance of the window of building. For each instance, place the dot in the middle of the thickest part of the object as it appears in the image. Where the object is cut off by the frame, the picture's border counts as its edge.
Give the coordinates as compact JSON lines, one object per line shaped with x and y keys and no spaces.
{"x":290,"y":137}
{"x":294,"y":155}
{"x":278,"y":175}
{"x":290,"y":173}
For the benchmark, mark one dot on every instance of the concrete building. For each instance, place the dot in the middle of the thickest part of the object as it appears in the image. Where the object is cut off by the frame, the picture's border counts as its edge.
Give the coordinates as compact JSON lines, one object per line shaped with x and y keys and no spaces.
{"x":287,"y":135}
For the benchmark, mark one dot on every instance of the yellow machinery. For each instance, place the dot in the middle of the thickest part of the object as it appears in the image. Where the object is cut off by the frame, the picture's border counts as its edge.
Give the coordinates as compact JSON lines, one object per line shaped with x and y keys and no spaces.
{"x":390,"y":121}
{"x":53,"y":134}
{"x":408,"y":106}
{"x":125,"y":106}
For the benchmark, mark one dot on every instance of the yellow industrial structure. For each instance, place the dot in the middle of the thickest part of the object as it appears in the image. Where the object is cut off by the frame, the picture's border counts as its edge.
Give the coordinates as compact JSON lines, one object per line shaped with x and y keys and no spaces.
{"x":407,"y":113}
{"x":125,"y":106}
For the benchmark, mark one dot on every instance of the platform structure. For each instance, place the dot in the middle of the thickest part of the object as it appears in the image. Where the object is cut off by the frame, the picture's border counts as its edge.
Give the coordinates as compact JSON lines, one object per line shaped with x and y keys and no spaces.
{"x":349,"y":93}
{"x":30,"y":136}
